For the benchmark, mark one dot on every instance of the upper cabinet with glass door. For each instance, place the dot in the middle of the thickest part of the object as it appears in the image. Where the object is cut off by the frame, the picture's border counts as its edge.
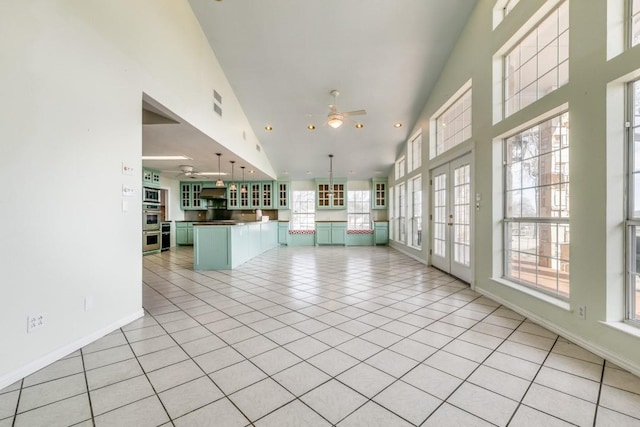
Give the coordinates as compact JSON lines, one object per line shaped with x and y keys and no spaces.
{"x":150,"y":178}
{"x":282,"y":189}
{"x":327,"y":199}
{"x":190,"y":196}
{"x":378,"y":193}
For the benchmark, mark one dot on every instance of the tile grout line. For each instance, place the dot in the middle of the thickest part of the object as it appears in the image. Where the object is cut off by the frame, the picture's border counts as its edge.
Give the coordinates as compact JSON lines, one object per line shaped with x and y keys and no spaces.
{"x":86,"y":382}
{"x":595,"y":415}
{"x":15,"y":415}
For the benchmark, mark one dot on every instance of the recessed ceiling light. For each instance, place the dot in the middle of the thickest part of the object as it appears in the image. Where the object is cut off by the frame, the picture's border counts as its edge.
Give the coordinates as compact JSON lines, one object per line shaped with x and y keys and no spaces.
{"x":311,"y":127}
{"x":166,"y":158}
{"x":285,"y":173}
{"x":252,"y":171}
{"x":397,"y":125}
{"x":377,"y":171}
{"x":308,"y":172}
{"x":359,"y":125}
{"x":268,"y":128}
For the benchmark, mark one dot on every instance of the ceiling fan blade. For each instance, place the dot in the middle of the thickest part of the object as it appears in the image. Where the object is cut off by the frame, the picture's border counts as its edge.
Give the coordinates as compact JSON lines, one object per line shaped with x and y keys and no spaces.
{"x":354,"y":113}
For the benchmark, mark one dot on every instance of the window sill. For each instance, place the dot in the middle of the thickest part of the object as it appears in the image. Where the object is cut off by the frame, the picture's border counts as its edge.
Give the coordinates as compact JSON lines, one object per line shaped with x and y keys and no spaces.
{"x":564,"y":305}
{"x":624,"y":327}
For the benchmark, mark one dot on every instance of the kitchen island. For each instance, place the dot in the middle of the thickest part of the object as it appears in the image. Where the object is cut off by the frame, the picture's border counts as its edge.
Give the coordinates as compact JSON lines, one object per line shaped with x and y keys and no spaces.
{"x":224,"y":246}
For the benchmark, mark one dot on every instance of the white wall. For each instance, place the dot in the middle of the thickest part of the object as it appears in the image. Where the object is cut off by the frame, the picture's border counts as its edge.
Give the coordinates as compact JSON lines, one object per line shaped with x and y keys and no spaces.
{"x":72,"y":76}
{"x":595,"y":102}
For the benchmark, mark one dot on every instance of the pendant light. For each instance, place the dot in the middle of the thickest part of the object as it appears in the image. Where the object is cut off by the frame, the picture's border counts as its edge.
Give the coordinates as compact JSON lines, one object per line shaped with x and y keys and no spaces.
{"x":219,"y":182}
{"x":330,"y":175}
{"x":243,"y":188}
{"x":233,"y":186}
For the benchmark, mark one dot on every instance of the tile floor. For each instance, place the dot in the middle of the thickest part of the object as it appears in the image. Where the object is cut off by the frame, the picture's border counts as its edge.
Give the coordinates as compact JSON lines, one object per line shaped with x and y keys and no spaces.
{"x":355,"y":336}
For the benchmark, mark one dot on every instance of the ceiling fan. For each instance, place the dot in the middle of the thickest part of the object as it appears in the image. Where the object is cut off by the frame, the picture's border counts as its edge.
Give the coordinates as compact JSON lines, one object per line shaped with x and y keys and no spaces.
{"x":336,"y":117}
{"x":187,"y":172}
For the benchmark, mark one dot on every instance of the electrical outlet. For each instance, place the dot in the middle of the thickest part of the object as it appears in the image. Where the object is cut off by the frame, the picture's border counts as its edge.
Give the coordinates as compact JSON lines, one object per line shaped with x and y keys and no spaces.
{"x":582,"y":312}
{"x":35,"y":321}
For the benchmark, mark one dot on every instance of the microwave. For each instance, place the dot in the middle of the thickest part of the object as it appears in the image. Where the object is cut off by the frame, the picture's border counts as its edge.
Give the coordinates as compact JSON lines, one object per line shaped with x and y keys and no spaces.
{"x":150,"y":195}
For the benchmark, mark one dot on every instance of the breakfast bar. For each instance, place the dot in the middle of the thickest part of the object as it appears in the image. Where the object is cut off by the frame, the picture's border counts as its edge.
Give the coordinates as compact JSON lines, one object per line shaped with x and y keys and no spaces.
{"x":224,"y":245}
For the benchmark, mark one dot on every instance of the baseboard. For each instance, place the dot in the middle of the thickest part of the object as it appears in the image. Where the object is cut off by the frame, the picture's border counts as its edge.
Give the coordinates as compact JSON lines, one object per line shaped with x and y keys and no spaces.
{"x":36,"y":365}
{"x":594,"y":348}
{"x":409,"y":254}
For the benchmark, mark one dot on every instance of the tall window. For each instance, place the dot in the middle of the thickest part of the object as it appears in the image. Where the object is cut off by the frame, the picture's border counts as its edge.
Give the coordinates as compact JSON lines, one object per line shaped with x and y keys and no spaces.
{"x":539,"y":63}
{"x":453,"y":126}
{"x":416,"y":212}
{"x":303,"y":210}
{"x":402,"y":212}
{"x":358,"y":210}
{"x":536,"y":217}
{"x":414,"y":151}
{"x":633,"y":237}
{"x":400,"y":167}
{"x":634,"y":22}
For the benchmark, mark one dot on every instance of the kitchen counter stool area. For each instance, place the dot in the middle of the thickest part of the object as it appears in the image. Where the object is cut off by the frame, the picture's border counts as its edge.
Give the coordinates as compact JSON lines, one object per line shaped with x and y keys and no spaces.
{"x":225,"y":247}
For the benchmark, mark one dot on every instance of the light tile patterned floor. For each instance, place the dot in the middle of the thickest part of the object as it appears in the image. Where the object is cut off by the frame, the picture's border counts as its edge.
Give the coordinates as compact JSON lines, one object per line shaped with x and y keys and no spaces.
{"x":355,"y":336}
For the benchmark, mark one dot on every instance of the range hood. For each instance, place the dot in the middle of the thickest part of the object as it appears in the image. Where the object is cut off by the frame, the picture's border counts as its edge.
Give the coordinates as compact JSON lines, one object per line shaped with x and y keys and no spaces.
{"x":213,"y":193}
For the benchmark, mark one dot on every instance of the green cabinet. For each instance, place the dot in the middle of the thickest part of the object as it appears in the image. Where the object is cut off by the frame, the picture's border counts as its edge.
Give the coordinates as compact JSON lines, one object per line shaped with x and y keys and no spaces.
{"x":267,"y":200}
{"x":258,"y":195}
{"x":184,"y":233}
{"x":283,"y":233}
{"x":327,"y":199}
{"x":150,"y":178}
{"x":255,"y":192}
{"x":378,"y":193}
{"x":223,"y":247}
{"x":190,"y":196}
{"x":331,"y":233}
{"x":282,"y":189}
{"x":233,"y":199}
{"x":381,"y":232}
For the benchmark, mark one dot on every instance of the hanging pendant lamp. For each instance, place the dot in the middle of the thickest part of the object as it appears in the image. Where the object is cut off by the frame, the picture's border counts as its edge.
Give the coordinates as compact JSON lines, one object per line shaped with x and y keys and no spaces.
{"x":233,"y":186}
{"x":243,"y":187}
{"x":219,"y":182}
{"x":330,"y":175}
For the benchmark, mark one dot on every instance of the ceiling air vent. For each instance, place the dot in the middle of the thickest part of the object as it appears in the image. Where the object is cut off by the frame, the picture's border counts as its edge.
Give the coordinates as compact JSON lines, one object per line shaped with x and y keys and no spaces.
{"x":217,"y":109}
{"x":217,"y":101}
{"x":217,"y":96}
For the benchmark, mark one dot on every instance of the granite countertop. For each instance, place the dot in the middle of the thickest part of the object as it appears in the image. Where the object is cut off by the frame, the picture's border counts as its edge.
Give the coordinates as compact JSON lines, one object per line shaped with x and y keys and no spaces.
{"x":220,"y":222}
{"x":216,"y":221}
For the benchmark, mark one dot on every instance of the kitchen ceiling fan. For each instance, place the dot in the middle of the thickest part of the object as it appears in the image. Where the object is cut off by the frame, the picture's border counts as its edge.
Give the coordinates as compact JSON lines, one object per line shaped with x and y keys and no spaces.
{"x":335,"y":118}
{"x":187,"y":172}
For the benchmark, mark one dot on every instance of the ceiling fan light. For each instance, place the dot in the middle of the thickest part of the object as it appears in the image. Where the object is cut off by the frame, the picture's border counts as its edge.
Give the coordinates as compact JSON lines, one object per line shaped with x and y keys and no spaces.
{"x":335,"y":121}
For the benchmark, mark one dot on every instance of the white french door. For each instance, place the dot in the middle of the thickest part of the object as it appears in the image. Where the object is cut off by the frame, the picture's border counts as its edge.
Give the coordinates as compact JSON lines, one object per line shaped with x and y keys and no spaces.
{"x":451,"y":217}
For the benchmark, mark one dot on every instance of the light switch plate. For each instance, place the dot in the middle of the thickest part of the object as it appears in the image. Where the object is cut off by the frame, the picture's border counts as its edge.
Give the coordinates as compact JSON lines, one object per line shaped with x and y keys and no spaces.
{"x":128,"y":190}
{"x":127,"y":169}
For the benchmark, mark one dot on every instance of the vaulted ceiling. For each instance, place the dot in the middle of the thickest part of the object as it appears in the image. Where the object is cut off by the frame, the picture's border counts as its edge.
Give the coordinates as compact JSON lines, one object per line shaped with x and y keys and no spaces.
{"x":283,"y":57}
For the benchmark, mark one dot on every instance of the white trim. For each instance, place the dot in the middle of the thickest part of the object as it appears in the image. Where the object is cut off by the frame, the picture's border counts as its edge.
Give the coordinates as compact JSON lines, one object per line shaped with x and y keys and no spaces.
{"x":36,"y":365}
{"x":542,"y":296}
{"x":396,"y":245}
{"x":629,"y":365}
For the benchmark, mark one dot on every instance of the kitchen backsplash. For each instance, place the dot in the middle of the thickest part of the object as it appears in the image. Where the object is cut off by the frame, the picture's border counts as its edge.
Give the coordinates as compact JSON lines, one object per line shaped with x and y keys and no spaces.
{"x":248,"y":215}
